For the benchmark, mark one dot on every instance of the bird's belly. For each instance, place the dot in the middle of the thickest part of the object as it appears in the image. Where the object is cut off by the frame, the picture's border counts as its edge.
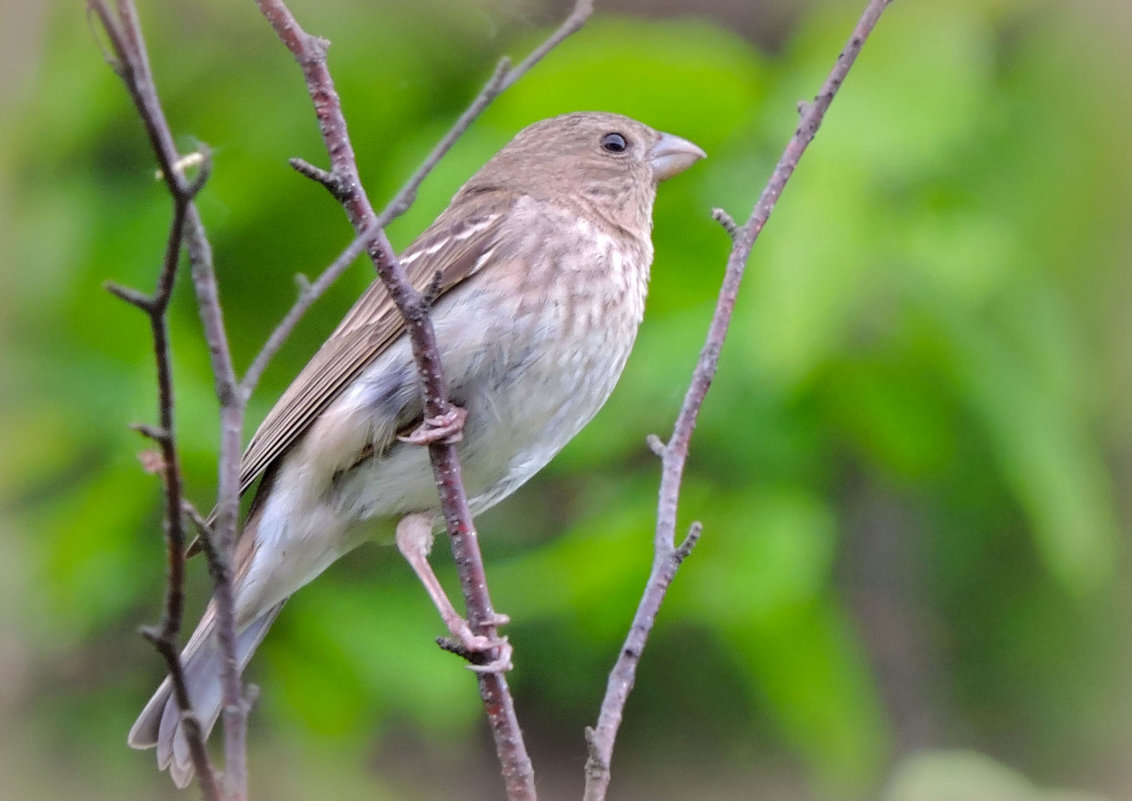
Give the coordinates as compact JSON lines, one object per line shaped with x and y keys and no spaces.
{"x":526,"y":397}
{"x":532,"y":360}
{"x":523,"y":423}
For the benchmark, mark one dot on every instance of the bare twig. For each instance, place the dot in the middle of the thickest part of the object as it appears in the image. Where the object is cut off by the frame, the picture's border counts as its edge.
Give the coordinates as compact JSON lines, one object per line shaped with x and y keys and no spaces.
{"x":408,"y":193}
{"x":308,"y":294}
{"x":132,"y":65}
{"x":668,"y":556}
{"x":571,"y":25}
{"x":126,"y":54}
{"x":727,"y":221}
{"x":343,"y":182}
{"x":232,"y":406}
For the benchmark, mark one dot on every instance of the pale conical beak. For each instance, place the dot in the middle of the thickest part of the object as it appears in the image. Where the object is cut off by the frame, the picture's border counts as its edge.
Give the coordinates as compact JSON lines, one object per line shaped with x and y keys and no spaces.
{"x":672,"y":155}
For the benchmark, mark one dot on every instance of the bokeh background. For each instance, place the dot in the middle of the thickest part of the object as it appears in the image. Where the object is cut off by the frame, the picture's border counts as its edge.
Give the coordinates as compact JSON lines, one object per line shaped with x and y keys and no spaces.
{"x":913,"y":470}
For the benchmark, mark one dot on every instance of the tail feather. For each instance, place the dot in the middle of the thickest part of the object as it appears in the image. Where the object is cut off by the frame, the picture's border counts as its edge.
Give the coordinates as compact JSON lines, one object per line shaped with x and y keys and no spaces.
{"x":159,"y":724}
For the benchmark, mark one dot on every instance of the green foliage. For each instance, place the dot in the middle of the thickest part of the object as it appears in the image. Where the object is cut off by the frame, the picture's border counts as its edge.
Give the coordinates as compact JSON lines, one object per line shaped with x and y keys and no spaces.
{"x":933,"y":317}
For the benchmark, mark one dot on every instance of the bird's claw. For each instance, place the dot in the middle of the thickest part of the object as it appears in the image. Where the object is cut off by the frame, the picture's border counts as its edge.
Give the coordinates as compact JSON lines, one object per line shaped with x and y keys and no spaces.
{"x":446,"y":428}
{"x":501,"y":664}
{"x":474,"y":646}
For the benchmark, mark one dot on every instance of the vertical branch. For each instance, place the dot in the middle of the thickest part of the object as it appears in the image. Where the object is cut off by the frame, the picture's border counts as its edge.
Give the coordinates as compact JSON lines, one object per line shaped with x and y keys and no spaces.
{"x":667,"y":555}
{"x":232,"y":405}
{"x":131,"y":63}
{"x":344,"y":184}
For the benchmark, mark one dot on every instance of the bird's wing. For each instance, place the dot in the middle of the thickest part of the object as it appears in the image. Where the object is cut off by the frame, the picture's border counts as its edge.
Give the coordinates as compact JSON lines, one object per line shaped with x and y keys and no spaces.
{"x":448,"y":252}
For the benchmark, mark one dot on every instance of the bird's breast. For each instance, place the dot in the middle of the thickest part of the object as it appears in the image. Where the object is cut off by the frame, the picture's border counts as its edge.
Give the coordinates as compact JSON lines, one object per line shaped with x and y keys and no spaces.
{"x":554,"y":335}
{"x":531,"y":346}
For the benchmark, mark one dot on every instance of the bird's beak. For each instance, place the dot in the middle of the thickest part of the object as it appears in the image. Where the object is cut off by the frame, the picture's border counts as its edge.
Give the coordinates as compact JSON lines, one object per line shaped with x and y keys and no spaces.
{"x":672,"y":155}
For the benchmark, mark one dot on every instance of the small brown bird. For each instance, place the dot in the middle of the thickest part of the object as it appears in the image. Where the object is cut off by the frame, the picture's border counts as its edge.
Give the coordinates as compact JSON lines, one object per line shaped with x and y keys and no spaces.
{"x":543,"y":257}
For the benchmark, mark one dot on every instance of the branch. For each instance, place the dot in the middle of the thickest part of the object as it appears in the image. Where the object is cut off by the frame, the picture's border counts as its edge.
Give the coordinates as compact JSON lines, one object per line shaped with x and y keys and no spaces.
{"x":343,"y":181}
{"x":132,"y":65}
{"x":667,"y":556}
{"x":232,"y":407}
{"x":308,"y":294}
{"x":571,"y":25}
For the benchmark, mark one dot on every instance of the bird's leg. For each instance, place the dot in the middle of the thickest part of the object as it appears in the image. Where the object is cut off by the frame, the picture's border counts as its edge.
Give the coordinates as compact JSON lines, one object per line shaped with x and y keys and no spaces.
{"x":447,"y":428}
{"x":414,"y":541}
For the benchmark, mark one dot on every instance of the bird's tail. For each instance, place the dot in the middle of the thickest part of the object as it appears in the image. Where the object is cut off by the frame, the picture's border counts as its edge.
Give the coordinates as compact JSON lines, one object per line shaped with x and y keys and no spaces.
{"x":159,"y":724}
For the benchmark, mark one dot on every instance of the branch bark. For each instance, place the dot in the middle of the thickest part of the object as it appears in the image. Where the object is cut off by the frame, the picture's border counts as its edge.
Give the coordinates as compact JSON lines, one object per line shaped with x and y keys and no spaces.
{"x":131,"y":63}
{"x":128,"y":57}
{"x":667,"y":555}
{"x":343,"y":182}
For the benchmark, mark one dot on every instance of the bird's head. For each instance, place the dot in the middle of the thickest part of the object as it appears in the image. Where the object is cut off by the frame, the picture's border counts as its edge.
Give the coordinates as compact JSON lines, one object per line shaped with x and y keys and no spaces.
{"x":608,"y":160}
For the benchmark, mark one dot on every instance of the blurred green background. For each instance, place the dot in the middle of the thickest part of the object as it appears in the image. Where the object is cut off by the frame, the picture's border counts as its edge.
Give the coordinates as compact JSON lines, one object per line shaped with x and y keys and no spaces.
{"x":913,"y":469}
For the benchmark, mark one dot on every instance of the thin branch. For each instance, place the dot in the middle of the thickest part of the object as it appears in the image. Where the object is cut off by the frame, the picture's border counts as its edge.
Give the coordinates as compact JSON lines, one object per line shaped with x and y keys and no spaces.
{"x":502,"y":78}
{"x":571,"y":25}
{"x":318,"y":175}
{"x":232,"y":406}
{"x":344,"y":183}
{"x":408,"y":193}
{"x":308,"y":294}
{"x":668,"y":556}
{"x":188,"y":231}
{"x":132,"y":296}
{"x":206,"y":538}
{"x":132,"y":65}
{"x":684,"y":549}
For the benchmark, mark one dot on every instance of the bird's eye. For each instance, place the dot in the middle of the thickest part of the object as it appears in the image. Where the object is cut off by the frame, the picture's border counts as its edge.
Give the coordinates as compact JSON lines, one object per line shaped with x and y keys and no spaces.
{"x":614,"y":142}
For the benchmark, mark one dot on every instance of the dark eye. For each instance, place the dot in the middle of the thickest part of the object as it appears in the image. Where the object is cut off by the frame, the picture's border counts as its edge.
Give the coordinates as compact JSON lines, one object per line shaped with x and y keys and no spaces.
{"x":614,"y":142}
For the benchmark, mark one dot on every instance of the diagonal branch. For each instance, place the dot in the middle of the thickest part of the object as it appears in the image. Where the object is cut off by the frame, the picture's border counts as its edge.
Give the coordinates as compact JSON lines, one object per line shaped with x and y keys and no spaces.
{"x":667,"y":556}
{"x":344,"y":183}
{"x":308,"y":294}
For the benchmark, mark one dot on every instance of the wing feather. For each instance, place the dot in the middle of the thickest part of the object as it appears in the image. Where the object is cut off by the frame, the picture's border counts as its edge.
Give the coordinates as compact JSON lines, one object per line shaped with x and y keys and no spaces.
{"x":452,"y":246}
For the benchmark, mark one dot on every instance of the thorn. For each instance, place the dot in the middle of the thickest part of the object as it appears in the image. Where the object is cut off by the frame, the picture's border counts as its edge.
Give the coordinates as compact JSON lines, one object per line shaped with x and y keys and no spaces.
{"x":329,"y":180}
{"x":132,"y":296}
{"x":151,"y":633}
{"x":303,"y":283}
{"x":155,"y":433}
{"x":726,"y":220}
{"x":453,"y":646}
{"x":202,"y":526}
{"x":685,"y":548}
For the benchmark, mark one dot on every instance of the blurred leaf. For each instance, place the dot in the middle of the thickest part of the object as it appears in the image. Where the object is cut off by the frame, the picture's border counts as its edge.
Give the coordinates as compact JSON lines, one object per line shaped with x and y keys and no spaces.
{"x":960,"y":775}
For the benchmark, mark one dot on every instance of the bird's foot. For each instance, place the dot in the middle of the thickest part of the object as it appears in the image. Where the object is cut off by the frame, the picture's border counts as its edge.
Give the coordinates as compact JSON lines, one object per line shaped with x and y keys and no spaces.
{"x":477,"y":648}
{"x":446,"y":428}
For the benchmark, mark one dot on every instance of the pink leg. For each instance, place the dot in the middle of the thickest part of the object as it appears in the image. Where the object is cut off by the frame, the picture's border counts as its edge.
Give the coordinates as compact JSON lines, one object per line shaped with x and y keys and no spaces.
{"x":447,"y":428}
{"x":414,"y":540}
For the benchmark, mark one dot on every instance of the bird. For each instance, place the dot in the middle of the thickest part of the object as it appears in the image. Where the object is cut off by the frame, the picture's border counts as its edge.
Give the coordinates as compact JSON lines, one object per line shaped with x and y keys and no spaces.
{"x":540,"y":267}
